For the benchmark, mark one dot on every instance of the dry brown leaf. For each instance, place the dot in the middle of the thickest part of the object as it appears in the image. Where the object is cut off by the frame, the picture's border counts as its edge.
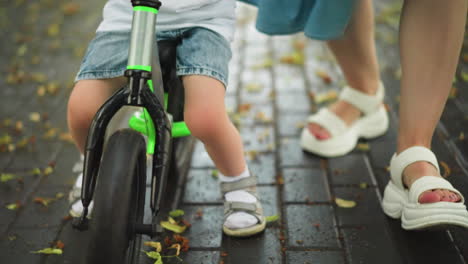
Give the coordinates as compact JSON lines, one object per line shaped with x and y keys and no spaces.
{"x":324,"y":76}
{"x":447,"y":169}
{"x":35,"y":117}
{"x":70,"y":9}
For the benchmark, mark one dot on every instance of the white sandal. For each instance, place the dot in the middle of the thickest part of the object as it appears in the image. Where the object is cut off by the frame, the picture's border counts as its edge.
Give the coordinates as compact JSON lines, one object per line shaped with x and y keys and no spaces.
{"x":373,"y":123}
{"x":399,"y":202}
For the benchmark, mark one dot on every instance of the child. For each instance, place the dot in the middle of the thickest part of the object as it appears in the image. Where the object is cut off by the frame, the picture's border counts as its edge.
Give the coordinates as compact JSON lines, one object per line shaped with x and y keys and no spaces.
{"x":205,"y":28}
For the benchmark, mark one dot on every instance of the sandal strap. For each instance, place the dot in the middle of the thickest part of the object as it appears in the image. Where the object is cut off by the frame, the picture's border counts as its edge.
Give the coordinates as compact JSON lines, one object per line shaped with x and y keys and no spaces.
{"x":328,"y":120}
{"x":408,"y":156}
{"x":254,"y":209}
{"x":241,"y":184}
{"x":367,"y":104}
{"x":427,"y":183}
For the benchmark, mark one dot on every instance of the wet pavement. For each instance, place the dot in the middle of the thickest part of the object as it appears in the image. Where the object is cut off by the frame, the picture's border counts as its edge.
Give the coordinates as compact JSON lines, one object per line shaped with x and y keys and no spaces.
{"x":269,"y":97}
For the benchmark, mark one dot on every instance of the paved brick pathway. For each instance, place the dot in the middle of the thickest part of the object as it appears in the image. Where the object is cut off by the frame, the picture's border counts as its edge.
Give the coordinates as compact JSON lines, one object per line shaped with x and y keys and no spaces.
{"x":269,"y":101}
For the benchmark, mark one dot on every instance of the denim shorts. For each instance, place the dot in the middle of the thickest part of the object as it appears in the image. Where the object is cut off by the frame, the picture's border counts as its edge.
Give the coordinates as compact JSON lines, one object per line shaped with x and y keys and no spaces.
{"x":200,"y":52}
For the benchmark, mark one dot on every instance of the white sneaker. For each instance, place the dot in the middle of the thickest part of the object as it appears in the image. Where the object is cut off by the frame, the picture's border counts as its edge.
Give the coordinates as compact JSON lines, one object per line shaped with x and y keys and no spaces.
{"x":74,"y":197}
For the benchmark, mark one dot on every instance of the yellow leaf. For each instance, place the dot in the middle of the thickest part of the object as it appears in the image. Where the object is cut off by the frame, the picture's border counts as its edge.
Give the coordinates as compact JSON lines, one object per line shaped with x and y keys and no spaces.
{"x":345,"y":203}
{"x":253,"y":87}
{"x":215,"y":174}
{"x":4,"y":177}
{"x":35,"y":117}
{"x":267,"y":63}
{"x":5,"y":139}
{"x":13,"y":206}
{"x":48,"y":170}
{"x":49,"y":251}
{"x":325,"y":97}
{"x":363,"y":146}
{"x":464,"y":76}
{"x":272,"y":218}
{"x":176,"y":246}
{"x":156,"y":245}
{"x":173,"y":227}
{"x":53,"y":30}
{"x":176,"y":213}
{"x":363,"y":185}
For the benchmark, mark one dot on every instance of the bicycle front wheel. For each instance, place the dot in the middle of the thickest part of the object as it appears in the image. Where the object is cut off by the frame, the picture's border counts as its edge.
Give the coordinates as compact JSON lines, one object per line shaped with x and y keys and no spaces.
{"x":118,"y":200}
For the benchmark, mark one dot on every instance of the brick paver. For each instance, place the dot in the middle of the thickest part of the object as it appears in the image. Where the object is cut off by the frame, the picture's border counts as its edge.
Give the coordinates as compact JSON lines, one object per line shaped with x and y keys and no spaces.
{"x":269,"y":101}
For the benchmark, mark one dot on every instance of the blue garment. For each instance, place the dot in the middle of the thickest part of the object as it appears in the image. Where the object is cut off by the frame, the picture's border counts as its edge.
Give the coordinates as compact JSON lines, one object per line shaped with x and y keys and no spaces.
{"x":319,"y":19}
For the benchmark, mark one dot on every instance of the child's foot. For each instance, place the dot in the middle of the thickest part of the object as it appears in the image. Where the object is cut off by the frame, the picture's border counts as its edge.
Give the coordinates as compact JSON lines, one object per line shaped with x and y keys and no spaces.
{"x":74,"y":197}
{"x":243,"y":213}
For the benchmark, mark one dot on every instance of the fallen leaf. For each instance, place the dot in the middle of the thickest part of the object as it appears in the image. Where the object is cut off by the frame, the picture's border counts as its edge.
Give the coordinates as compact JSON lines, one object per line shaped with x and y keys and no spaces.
{"x":224,"y":254}
{"x":345,"y":203}
{"x":295,"y":57}
{"x":326,"y":97}
{"x":324,"y":76}
{"x":243,"y":108}
{"x":267,"y":63}
{"x":5,"y":139}
{"x":271,"y":218}
{"x":13,"y":206}
{"x":363,"y":146}
{"x":48,"y":170}
{"x":70,"y":9}
{"x":59,"y":244}
{"x":461,"y":136}
{"x":173,"y":227}
{"x":67,"y":137}
{"x":154,"y":255}
{"x":447,"y":170}
{"x":177,"y":247}
{"x":49,"y":251}
{"x":156,"y":245}
{"x":253,"y":87}
{"x":363,"y":185}
{"x":38,"y":77}
{"x":262,"y":117}
{"x":53,"y":30}
{"x":464,"y":76}
{"x":215,"y":174}
{"x":176,"y":213}
{"x":44,"y":201}
{"x":5,"y":177}
{"x":35,"y":116}
{"x":453,"y":93}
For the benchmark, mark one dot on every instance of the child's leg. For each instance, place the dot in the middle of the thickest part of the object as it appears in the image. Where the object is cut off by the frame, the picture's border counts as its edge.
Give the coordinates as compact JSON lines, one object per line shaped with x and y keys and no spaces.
{"x":85,"y":100}
{"x":206,"y":117}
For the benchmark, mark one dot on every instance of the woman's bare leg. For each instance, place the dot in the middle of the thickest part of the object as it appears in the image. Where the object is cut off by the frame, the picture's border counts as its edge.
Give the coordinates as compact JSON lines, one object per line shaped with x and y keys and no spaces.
{"x":356,"y":55}
{"x":431,"y":35}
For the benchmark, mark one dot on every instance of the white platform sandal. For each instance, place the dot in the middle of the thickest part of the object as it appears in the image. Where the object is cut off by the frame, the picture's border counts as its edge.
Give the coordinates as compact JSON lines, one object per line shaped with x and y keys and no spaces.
{"x":399,"y":202}
{"x":373,"y":123}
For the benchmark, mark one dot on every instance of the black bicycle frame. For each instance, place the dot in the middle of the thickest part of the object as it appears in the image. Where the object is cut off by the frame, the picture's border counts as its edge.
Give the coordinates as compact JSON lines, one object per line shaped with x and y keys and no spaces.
{"x":143,"y":51}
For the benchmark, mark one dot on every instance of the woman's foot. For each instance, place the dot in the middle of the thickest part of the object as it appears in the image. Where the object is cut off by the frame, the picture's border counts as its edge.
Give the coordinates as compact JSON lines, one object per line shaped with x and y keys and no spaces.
{"x":421,"y":168}
{"x":344,"y":110}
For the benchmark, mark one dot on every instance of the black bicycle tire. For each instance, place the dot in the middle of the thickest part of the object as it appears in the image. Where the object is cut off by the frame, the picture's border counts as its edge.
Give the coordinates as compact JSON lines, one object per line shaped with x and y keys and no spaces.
{"x":118,"y":200}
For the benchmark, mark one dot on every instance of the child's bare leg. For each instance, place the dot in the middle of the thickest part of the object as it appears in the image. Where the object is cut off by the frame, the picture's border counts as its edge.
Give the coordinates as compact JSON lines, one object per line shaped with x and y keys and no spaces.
{"x":356,"y":55}
{"x":206,"y":117}
{"x":431,"y":34}
{"x":85,"y":100}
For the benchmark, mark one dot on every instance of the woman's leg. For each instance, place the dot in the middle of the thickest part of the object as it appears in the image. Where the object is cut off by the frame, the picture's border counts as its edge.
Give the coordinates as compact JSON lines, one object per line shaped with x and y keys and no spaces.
{"x":356,"y":55}
{"x":431,"y":35}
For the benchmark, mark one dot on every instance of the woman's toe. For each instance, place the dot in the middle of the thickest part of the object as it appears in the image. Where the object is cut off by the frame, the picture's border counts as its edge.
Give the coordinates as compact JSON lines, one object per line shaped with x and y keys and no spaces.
{"x":318,"y":132}
{"x":430,"y":197}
